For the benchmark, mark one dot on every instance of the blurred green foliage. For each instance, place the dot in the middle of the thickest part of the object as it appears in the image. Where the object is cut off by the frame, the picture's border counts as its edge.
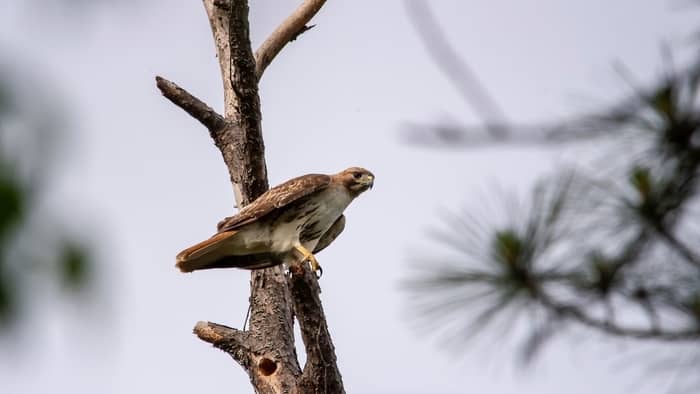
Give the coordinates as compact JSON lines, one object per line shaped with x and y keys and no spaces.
{"x":12,"y":203}
{"x":75,"y":265}
{"x":33,"y":245}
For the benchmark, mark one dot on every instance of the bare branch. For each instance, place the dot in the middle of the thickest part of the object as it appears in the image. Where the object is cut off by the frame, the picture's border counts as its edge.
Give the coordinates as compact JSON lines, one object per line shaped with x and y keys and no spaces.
{"x":192,"y":105}
{"x":456,"y":136}
{"x":321,"y":369}
{"x":220,"y":335}
{"x":457,"y":70}
{"x":234,"y":342}
{"x":287,"y":31}
{"x":496,"y":127}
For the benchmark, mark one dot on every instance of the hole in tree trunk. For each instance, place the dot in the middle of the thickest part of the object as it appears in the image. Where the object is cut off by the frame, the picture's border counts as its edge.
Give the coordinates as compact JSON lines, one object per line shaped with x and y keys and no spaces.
{"x":267,"y":367}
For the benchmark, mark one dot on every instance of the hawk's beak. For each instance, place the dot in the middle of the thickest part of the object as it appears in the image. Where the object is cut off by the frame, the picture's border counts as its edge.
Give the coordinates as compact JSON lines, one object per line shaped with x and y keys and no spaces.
{"x":370,"y":181}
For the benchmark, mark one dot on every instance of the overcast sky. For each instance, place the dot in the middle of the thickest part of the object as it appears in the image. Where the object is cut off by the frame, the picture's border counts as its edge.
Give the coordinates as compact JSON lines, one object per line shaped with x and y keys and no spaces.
{"x":145,"y":180}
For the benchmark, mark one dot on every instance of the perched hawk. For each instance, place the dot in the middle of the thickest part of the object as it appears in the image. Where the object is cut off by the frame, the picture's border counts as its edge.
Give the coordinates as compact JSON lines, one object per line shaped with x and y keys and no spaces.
{"x":288,"y":223}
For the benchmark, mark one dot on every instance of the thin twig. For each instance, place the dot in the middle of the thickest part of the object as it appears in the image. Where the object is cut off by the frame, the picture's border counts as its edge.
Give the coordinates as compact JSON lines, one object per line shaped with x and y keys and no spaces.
{"x":609,"y":327}
{"x":680,"y":247}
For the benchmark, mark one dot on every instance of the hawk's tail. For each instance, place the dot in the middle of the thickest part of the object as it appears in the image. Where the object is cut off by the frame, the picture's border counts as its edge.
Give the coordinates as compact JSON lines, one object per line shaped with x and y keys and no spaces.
{"x":202,"y":255}
{"x":208,"y":254}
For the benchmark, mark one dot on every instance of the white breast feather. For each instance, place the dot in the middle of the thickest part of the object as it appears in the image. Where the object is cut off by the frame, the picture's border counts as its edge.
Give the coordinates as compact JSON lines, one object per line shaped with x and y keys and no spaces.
{"x":332,"y":203}
{"x":334,"y":200}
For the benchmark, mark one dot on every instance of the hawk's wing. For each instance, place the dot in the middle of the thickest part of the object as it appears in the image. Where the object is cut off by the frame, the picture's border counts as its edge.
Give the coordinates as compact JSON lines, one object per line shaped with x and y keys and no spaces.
{"x":331,"y":234}
{"x":275,"y":198}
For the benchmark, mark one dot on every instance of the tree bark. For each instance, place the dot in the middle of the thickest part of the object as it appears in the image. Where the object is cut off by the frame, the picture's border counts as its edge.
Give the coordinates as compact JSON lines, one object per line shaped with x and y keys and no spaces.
{"x":266,"y":350}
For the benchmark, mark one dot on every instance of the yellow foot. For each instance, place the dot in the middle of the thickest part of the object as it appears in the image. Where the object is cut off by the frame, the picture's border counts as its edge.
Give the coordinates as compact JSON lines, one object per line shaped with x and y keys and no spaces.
{"x":313,"y":263}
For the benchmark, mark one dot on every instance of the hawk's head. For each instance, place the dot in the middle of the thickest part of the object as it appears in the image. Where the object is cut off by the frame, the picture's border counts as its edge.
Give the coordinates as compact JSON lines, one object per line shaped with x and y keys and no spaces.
{"x":356,"y":179}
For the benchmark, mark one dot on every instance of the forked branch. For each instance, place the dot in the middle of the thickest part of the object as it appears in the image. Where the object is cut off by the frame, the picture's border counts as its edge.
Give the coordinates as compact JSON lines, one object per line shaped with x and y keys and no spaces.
{"x":266,"y":351}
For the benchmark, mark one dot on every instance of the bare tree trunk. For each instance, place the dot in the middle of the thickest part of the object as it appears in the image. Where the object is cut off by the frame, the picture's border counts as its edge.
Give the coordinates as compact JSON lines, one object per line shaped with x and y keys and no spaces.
{"x":266,"y":351}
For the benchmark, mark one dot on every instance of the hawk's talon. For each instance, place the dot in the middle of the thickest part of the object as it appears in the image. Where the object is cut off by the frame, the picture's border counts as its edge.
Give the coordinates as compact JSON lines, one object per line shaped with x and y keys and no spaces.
{"x":315,"y":266}
{"x":313,"y":263}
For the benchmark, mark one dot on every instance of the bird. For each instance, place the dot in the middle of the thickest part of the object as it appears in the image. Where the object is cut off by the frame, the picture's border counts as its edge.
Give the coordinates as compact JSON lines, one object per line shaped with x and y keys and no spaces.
{"x":289,"y":223}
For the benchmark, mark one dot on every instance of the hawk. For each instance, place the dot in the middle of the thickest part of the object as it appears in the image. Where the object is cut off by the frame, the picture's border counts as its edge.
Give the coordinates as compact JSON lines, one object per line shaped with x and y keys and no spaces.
{"x":290,"y":222}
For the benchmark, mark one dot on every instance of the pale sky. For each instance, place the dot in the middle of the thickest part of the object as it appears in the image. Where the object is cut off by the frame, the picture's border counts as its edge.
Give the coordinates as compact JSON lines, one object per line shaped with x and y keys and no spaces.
{"x":144,"y":179}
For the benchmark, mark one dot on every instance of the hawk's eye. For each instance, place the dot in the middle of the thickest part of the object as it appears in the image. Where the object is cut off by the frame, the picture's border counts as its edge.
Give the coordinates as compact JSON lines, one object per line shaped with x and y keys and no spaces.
{"x":357,"y":175}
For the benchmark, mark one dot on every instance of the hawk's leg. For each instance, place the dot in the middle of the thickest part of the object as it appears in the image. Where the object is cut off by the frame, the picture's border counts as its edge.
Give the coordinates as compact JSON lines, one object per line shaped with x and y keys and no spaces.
{"x":308,"y":256}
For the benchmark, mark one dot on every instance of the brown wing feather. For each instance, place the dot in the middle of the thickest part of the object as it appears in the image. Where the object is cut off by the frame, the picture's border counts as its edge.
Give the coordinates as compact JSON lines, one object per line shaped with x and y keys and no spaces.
{"x":331,"y":234}
{"x":277,"y":197}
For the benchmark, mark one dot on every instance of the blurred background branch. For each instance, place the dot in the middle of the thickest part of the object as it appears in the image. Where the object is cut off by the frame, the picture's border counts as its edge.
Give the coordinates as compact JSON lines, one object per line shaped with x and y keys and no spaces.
{"x":613,"y":249}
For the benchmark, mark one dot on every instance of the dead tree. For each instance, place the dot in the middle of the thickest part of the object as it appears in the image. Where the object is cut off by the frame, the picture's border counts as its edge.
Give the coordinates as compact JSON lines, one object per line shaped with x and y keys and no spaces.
{"x":266,"y":350}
